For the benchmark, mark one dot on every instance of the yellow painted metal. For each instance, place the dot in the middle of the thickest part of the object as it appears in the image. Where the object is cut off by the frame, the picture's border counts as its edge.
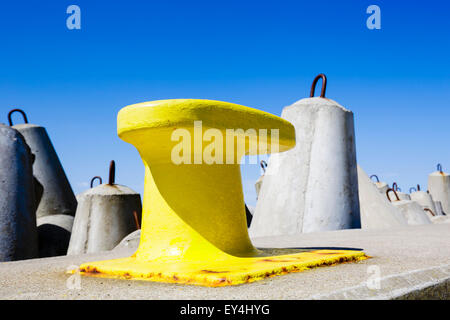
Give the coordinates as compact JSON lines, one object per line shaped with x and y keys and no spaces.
{"x":193,"y":222}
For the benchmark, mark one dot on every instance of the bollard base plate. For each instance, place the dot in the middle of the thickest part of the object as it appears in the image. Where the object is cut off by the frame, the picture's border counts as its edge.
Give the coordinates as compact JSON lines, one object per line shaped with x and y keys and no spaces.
{"x":224,"y":272}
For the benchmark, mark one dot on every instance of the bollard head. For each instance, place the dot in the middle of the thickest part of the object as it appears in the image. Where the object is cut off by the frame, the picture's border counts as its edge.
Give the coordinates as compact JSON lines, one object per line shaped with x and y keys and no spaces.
{"x":146,"y":125}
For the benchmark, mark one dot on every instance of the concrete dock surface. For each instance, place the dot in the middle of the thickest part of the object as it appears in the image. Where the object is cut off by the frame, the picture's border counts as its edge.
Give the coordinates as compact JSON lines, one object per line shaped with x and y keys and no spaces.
{"x":410,"y":262}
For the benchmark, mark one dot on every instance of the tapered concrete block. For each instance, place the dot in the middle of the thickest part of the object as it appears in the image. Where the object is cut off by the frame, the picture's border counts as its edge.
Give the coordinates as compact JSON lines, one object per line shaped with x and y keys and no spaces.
{"x":314,"y":186}
{"x":400,"y":194}
{"x":381,"y":185}
{"x":130,"y":242}
{"x":439,"y":187}
{"x":403,"y":196}
{"x":411,"y":211}
{"x":425,"y":200}
{"x":105,"y":215}
{"x":376,"y":210}
{"x":438,"y":206}
{"x":18,"y":233}
{"x":58,"y":197}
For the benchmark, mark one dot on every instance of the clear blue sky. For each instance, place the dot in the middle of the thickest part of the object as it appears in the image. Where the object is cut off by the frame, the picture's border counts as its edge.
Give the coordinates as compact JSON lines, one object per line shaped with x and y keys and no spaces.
{"x":262,"y":54}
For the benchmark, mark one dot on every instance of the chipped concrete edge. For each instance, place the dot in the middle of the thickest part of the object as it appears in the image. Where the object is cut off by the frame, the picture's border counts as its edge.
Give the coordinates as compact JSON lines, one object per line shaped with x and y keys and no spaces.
{"x":430,"y":283}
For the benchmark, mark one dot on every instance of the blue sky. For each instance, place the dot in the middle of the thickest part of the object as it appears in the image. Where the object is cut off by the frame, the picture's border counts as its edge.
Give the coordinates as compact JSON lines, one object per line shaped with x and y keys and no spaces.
{"x":262,"y":54}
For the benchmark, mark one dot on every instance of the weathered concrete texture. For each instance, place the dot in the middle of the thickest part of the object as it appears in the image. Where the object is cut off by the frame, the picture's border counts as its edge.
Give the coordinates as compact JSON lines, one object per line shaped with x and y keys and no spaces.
{"x":439,"y":187}
{"x":403,"y":196}
{"x":412,"y":261}
{"x":130,"y":242}
{"x":412,"y":212}
{"x":54,"y":234}
{"x":376,"y":210}
{"x":438,"y":206}
{"x":258,"y":185}
{"x":104,"y":217}
{"x":18,"y":234}
{"x":314,"y":186}
{"x":440,"y":219}
{"x":58,"y":197}
{"x":382,"y":187}
{"x":425,"y":201}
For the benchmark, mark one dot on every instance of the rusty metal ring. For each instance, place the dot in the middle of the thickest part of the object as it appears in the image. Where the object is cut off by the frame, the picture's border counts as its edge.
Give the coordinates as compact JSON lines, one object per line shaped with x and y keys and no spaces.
{"x":412,"y":188}
{"x":389,"y":198}
{"x":263,"y":165}
{"x":25,"y":119}
{"x":94,"y":178}
{"x":439,"y":167}
{"x":374,"y":175}
{"x":112,"y":172}
{"x":324,"y":85}
{"x":432,"y":213}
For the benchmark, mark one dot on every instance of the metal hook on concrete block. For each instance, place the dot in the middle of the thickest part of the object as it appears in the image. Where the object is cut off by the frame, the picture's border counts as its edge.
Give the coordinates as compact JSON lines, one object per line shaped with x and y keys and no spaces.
{"x":112,"y":172}
{"x":374,"y":175}
{"x":395,"y":187}
{"x":263,"y":165}
{"x":439,"y":167}
{"x":387,"y":194}
{"x":25,"y":119}
{"x":430,"y":211}
{"x":412,"y":188}
{"x":324,"y":85}
{"x":96,"y":178}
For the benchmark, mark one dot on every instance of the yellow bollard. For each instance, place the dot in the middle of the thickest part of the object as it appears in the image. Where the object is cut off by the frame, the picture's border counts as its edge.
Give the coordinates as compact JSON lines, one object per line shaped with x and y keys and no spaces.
{"x":193,"y":222}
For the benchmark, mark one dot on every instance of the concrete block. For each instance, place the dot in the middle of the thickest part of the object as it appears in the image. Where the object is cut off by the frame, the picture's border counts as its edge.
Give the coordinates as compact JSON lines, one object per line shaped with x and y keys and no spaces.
{"x":314,"y":186}
{"x":400,"y":194}
{"x":425,"y":200}
{"x":58,"y":197}
{"x":18,"y":233}
{"x":130,"y":242}
{"x":381,"y":185}
{"x":439,"y":187}
{"x":105,"y":215}
{"x":438,"y":206}
{"x":376,"y":210}
{"x":411,"y":210}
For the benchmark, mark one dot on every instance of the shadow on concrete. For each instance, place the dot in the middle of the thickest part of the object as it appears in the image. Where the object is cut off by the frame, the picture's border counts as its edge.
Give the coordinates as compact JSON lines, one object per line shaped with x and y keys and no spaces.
{"x":53,"y":240}
{"x":291,"y":250}
{"x":326,"y":248}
